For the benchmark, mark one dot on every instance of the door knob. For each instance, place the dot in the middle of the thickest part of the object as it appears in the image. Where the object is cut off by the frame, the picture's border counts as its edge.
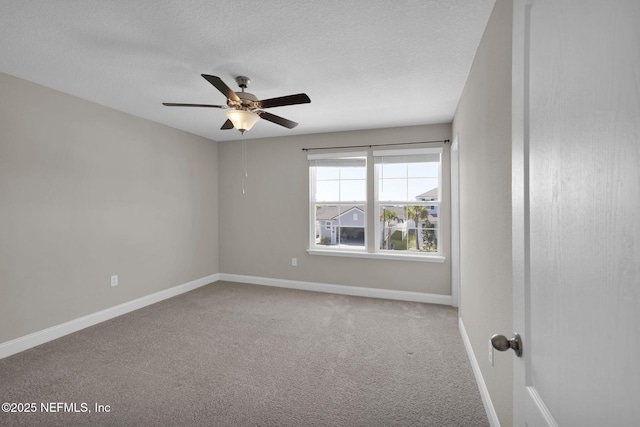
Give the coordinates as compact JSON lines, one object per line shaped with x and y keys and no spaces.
{"x":501,"y":343}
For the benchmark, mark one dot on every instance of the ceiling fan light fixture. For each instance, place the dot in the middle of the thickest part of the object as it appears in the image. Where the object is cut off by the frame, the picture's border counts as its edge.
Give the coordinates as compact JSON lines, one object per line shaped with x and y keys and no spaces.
{"x":243,"y":120}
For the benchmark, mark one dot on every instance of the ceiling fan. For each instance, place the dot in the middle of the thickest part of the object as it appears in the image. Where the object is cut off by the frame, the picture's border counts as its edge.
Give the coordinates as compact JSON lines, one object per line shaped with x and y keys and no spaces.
{"x":245,"y":108}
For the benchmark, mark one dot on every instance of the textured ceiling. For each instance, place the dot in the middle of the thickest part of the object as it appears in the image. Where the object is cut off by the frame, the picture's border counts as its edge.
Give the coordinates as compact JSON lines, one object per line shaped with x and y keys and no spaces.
{"x":364,"y":63}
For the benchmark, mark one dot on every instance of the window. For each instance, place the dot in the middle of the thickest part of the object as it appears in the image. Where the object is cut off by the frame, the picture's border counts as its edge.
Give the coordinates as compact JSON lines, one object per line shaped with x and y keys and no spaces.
{"x":407,"y":200}
{"x":338,"y":189}
{"x":403,"y":213}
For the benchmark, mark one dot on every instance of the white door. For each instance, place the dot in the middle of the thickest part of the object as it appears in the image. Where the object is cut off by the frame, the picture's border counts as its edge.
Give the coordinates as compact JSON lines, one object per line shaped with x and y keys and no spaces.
{"x":576,"y":207}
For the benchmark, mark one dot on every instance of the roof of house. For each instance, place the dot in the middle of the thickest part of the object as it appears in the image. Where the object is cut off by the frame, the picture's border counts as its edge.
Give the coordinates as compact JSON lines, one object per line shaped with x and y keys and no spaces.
{"x":333,"y":212}
{"x":431,"y":194}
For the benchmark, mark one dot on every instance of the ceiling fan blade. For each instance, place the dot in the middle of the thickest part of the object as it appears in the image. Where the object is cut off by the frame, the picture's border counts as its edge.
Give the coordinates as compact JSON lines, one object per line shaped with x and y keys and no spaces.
{"x":277,"y":119}
{"x":227,"y":125}
{"x":299,"y":98}
{"x":221,"y":86}
{"x":173,"y":104}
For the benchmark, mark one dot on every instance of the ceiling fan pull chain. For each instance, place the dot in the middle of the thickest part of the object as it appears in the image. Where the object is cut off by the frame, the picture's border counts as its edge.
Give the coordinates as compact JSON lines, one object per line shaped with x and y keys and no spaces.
{"x":244,"y":148}
{"x":244,"y":163}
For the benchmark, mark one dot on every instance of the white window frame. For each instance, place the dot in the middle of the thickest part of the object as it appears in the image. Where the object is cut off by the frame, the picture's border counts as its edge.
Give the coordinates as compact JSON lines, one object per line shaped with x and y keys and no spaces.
{"x":313,"y":247}
{"x":372,"y":234}
{"x":378,"y":204}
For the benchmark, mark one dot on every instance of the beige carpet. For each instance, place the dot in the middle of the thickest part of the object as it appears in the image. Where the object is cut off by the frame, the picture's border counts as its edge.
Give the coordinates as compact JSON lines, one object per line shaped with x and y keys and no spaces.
{"x":232,"y":354}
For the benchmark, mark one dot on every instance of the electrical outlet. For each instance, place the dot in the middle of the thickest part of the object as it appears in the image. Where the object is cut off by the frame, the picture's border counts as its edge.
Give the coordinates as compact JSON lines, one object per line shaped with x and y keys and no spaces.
{"x":294,"y":262}
{"x":490,"y":353}
{"x":114,"y":280}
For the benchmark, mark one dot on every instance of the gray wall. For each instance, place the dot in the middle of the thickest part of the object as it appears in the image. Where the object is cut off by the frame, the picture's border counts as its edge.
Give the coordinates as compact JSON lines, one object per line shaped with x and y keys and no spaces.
{"x":483,"y":125}
{"x":87,"y":192}
{"x":263,"y":229}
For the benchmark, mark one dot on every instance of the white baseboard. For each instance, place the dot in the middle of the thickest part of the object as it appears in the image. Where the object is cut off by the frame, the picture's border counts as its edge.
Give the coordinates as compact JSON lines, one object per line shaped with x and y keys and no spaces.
{"x":340,"y":289}
{"x":484,"y":392}
{"x":28,"y":341}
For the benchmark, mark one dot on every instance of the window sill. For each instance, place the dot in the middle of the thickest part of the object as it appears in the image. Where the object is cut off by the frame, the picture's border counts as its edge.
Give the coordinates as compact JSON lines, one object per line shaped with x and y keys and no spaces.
{"x":378,"y":255}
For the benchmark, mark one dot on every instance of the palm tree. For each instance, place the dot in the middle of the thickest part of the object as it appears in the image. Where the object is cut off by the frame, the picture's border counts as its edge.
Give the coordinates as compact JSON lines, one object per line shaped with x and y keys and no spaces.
{"x":430,"y":237}
{"x":387,"y":215}
{"x":417,"y":214}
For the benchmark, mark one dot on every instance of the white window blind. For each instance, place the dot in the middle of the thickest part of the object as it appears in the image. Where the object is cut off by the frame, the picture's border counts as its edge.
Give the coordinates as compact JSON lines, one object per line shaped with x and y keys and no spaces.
{"x":425,"y":155}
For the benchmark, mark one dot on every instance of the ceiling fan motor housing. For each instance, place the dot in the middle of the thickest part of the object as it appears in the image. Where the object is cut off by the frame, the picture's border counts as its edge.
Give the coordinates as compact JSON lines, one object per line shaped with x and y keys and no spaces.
{"x":247,"y":101}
